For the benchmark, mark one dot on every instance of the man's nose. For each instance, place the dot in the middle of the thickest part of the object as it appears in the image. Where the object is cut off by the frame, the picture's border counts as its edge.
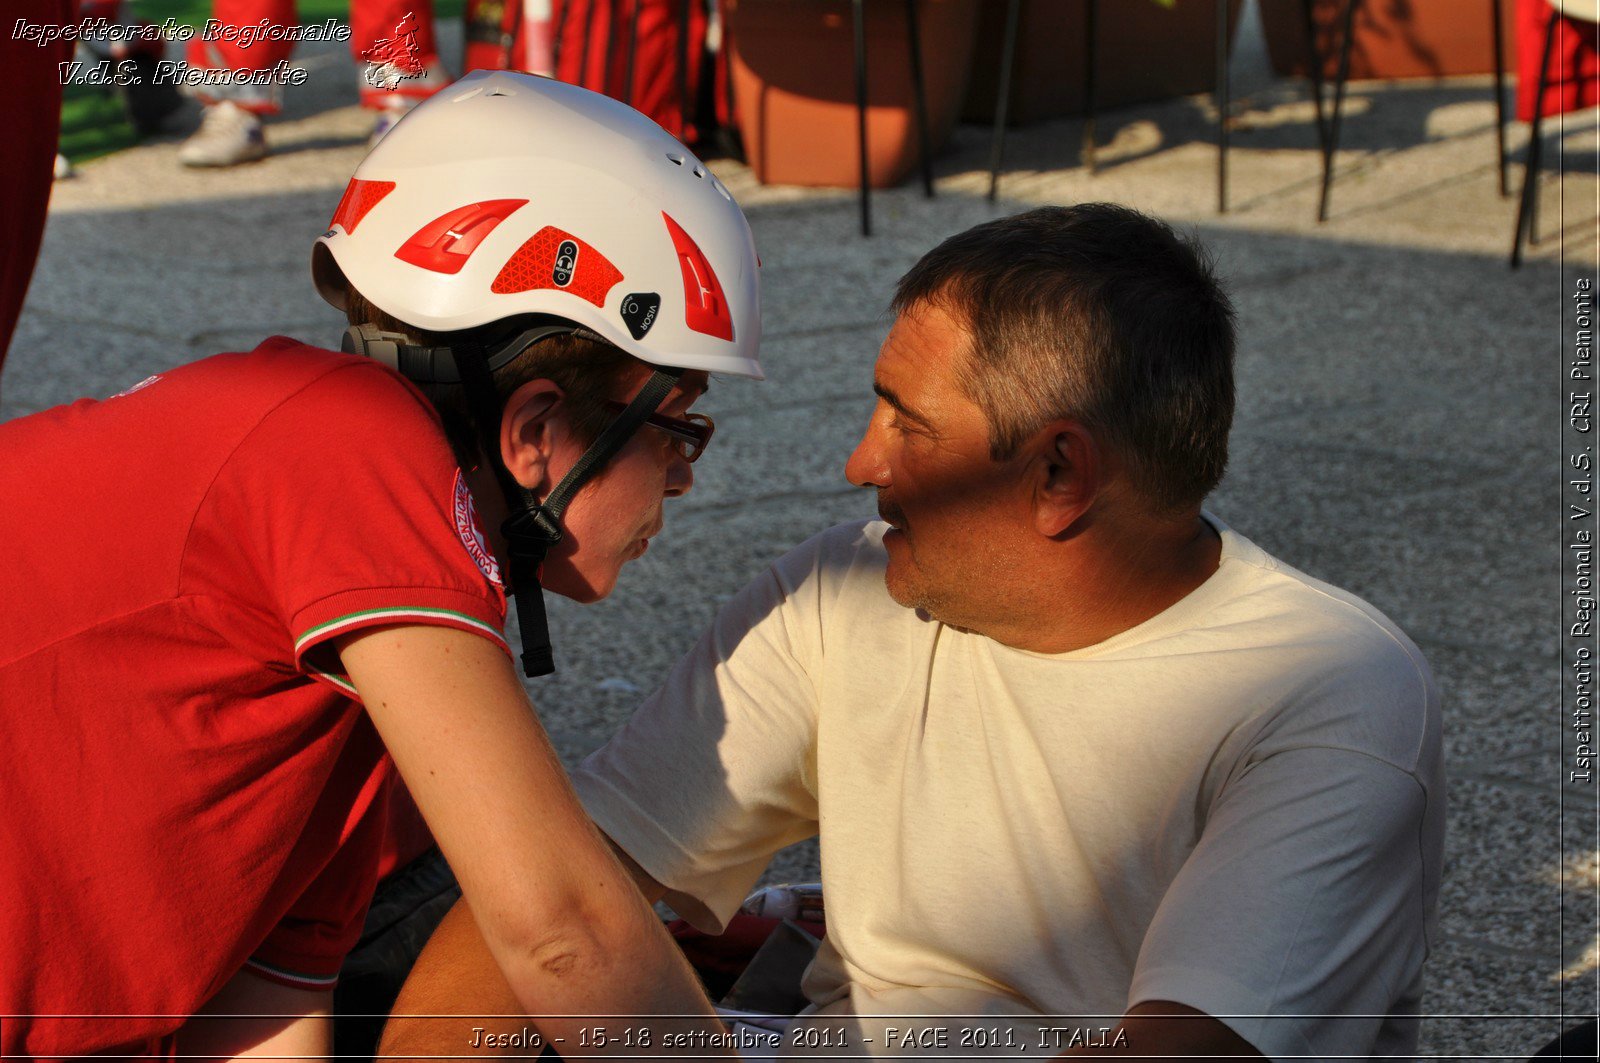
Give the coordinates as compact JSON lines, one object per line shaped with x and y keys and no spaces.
{"x":867,"y":466}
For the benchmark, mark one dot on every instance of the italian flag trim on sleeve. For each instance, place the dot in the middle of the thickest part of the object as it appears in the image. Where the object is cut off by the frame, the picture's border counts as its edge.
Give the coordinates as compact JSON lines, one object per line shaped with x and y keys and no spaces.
{"x":373,"y":617}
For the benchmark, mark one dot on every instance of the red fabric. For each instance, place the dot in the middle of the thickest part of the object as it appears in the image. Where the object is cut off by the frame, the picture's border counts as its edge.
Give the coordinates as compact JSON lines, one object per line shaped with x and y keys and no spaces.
{"x":604,"y":27}
{"x":371,"y":22}
{"x":186,"y":789}
{"x":231,"y":54}
{"x":1574,"y":79}
{"x":29,"y":127}
{"x":595,"y":31}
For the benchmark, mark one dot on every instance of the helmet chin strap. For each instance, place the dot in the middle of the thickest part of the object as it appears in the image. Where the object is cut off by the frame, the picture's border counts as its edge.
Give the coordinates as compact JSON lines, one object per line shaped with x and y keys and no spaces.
{"x":534,"y":526}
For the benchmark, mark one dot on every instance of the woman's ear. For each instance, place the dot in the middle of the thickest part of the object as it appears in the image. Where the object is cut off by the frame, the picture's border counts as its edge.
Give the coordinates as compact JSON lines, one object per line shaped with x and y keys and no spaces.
{"x":531,"y":424}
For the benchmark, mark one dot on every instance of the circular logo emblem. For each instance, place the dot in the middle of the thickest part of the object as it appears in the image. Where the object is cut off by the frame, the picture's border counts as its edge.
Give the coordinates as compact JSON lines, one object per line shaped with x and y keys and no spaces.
{"x":471,"y":533}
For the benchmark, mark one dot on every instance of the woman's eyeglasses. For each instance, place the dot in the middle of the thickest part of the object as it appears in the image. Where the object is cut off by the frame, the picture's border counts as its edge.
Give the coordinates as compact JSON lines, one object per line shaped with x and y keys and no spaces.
{"x":689,"y":433}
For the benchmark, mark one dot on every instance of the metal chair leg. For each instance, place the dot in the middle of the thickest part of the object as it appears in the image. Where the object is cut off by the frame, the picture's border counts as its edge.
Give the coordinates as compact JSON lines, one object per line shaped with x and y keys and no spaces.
{"x":1002,"y":103}
{"x":1314,"y":67}
{"x":1527,"y":218}
{"x":1537,"y":159}
{"x":1338,"y":107}
{"x":1500,"y":96}
{"x":1091,"y":16}
{"x":860,"y":22}
{"x":1222,"y":94}
{"x":919,"y":98}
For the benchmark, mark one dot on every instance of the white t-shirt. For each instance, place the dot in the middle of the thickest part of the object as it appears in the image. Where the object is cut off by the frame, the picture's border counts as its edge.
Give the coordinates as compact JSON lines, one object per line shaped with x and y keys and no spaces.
{"x":1236,"y":805}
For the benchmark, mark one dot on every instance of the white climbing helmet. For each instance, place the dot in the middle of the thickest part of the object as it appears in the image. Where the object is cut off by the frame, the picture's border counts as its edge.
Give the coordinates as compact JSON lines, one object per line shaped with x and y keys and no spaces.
{"x":509,"y":194}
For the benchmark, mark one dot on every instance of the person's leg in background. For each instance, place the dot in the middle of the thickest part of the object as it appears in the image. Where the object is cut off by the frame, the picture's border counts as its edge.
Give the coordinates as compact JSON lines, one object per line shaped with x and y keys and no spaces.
{"x":415,"y":889}
{"x":230,"y":127}
{"x":407,"y":908}
{"x":392,"y":42}
{"x":29,"y":129}
{"x":147,"y":101}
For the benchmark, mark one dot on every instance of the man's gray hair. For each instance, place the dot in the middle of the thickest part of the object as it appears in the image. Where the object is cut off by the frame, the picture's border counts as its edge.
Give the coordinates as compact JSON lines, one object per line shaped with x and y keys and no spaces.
{"x":1099,"y":314}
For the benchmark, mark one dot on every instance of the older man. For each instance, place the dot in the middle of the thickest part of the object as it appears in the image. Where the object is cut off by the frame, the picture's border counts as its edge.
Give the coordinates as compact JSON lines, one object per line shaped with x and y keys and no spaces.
{"x":1073,"y":746}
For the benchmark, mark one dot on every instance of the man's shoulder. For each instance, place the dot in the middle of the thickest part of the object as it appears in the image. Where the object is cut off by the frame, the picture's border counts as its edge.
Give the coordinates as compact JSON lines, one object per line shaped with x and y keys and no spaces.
{"x":830,"y":587}
{"x":1348,"y":673}
{"x":847,"y":560}
{"x":1305,"y":609}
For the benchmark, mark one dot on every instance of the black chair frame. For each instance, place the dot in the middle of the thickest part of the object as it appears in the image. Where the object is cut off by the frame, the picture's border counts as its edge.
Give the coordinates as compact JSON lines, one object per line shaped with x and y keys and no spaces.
{"x":1327,"y":133}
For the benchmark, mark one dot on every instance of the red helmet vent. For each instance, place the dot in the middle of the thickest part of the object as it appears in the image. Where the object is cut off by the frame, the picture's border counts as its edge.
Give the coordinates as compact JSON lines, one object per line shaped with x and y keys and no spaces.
{"x":559,"y":261}
{"x":359,"y":197}
{"x":706,"y":307}
{"x":445,"y":244}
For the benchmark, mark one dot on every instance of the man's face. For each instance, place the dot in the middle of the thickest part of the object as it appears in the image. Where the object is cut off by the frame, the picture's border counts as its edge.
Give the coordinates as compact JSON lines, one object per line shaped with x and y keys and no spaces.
{"x":926,"y":450}
{"x":612,"y":518}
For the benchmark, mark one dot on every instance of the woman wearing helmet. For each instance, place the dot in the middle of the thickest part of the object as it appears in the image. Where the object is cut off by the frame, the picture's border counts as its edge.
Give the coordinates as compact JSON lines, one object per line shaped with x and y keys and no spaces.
{"x":298,"y":529}
{"x":598,"y":230}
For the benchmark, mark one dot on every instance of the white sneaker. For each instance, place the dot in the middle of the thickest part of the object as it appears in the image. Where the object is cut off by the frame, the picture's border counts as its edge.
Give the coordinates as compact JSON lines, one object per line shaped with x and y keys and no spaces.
{"x":64,"y":168}
{"x":228,"y":135}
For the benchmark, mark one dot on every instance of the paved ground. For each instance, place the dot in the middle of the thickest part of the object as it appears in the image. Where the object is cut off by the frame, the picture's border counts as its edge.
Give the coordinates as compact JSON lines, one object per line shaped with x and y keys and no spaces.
{"x":1402,"y":399}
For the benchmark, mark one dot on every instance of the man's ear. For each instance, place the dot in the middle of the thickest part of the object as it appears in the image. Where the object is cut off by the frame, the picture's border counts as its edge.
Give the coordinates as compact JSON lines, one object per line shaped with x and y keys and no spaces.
{"x":530,"y":426}
{"x":1070,"y":473}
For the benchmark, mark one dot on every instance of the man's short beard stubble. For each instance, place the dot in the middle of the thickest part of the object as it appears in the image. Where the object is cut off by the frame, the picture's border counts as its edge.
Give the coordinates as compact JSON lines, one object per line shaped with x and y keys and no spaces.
{"x":955,"y":594}
{"x":918,"y":595}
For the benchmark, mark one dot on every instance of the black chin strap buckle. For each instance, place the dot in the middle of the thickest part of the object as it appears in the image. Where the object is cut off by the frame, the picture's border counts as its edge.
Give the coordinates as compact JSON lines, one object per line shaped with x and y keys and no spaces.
{"x":530,"y":532}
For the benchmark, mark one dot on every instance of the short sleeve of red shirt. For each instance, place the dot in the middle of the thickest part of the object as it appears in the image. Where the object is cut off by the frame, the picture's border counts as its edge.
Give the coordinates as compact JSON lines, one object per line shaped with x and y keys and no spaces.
{"x":346,"y":505}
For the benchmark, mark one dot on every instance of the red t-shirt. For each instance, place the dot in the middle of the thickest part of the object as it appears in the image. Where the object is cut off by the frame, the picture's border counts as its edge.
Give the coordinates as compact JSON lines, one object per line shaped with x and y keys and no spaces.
{"x":188,"y":788}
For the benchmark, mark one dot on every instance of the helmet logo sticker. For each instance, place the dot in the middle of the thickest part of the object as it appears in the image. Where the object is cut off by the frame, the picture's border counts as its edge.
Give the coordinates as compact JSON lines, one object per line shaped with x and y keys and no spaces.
{"x":706,"y":307}
{"x":470,"y":531}
{"x":359,"y":197}
{"x":445,"y":244}
{"x":558,"y":261}
{"x":566,"y":263}
{"x":639,"y":312}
